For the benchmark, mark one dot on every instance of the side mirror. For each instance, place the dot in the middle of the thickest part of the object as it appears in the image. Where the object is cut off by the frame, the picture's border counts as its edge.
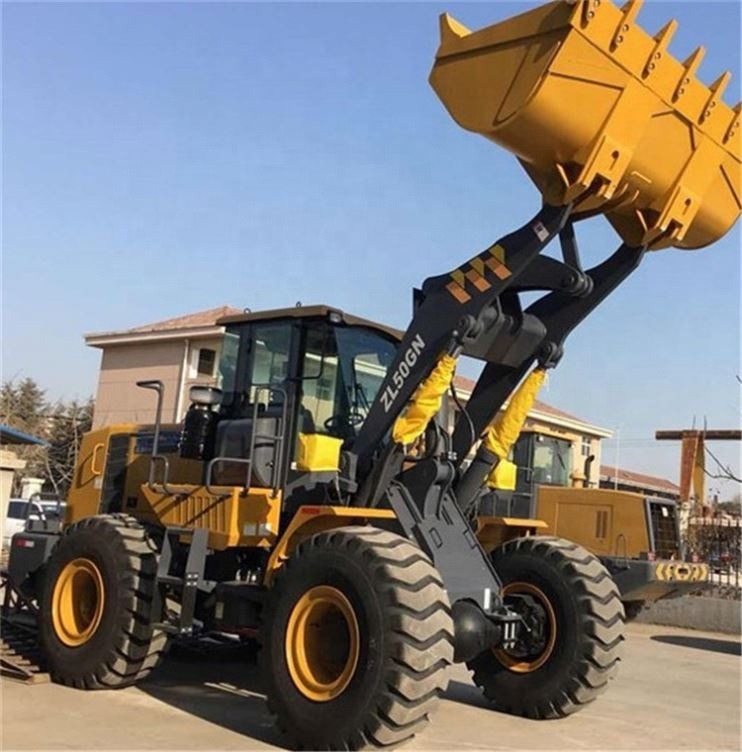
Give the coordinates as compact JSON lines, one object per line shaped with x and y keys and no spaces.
{"x":206,"y":396}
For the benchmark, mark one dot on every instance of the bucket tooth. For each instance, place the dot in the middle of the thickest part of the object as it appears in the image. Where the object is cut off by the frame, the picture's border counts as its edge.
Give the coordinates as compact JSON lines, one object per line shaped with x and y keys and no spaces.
{"x":717,"y":90}
{"x":629,"y":13}
{"x":451,"y":29}
{"x":662,"y":40}
{"x":690,"y":66}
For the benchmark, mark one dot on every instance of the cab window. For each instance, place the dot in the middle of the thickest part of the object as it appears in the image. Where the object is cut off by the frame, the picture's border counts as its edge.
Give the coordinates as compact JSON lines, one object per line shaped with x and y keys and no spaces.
{"x":551,"y":461}
{"x":343,"y":369}
{"x":271,"y":350}
{"x":320,"y":394}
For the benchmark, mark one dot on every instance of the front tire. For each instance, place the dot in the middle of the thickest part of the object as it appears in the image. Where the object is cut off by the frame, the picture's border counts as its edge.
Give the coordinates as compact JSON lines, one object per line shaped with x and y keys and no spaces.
{"x":357,"y":640}
{"x":574,"y":611}
{"x":95,"y":607}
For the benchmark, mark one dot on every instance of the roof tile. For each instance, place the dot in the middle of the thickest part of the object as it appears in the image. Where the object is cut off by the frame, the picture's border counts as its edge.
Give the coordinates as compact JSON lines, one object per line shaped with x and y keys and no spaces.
{"x":461,"y":382}
{"x":639,"y":479}
{"x":200,"y":318}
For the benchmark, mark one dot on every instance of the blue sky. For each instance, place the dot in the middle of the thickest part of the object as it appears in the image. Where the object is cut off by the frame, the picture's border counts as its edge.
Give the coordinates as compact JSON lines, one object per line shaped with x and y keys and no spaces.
{"x":164,"y":158}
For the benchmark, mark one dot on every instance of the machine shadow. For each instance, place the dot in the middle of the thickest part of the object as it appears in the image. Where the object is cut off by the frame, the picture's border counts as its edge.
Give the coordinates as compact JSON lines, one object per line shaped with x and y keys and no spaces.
{"x":221,"y":686}
{"x":466,"y":694}
{"x":727,"y":647}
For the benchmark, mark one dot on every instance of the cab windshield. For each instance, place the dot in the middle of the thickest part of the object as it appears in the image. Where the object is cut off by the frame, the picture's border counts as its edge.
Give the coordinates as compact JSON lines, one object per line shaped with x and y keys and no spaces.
{"x":343,"y":370}
{"x":551,"y":461}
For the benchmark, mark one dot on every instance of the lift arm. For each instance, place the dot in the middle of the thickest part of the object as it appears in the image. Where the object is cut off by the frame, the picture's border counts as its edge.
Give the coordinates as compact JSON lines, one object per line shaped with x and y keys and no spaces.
{"x":475,"y":310}
{"x":460,"y":311}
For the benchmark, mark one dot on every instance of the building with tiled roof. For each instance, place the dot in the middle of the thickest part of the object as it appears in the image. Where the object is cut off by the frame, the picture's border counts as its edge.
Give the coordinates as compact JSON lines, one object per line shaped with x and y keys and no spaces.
{"x":584,"y":436}
{"x":178,"y":351}
{"x":612,"y":477}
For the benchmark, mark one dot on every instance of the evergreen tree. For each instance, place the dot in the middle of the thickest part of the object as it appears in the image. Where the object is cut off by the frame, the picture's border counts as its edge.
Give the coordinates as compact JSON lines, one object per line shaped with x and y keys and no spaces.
{"x":23,"y":405}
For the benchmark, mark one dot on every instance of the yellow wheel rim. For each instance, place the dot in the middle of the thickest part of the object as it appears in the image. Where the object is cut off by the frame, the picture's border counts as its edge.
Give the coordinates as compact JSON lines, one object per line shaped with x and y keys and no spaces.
{"x":77,"y":602}
{"x":322,"y":643}
{"x":521,"y":665}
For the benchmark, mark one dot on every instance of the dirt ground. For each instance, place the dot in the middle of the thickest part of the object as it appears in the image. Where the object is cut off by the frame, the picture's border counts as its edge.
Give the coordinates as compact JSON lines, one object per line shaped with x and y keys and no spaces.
{"x":677,"y":690}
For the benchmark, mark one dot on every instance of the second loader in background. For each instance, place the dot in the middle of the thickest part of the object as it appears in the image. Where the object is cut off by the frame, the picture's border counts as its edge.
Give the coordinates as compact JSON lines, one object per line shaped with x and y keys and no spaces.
{"x":635,"y":535}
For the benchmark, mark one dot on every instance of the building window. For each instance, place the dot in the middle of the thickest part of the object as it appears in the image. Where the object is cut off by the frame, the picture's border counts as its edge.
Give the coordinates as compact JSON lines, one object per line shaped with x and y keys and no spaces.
{"x":206,"y":362}
{"x":326,"y":387}
{"x":586,"y":446}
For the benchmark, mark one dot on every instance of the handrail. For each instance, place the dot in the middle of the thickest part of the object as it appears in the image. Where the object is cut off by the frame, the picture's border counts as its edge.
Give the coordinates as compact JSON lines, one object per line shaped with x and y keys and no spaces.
{"x":157,"y":386}
{"x":278,"y":440}
{"x":235,"y":460}
{"x":94,"y":455}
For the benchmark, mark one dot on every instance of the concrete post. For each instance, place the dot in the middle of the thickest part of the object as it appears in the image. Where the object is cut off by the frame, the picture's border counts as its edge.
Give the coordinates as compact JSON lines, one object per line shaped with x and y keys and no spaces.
{"x":9,"y":463}
{"x":30,"y":487}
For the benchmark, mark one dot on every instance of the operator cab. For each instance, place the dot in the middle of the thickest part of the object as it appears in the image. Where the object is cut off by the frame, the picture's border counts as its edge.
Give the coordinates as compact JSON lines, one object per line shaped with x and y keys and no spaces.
{"x":294,"y":388}
{"x":541,"y":460}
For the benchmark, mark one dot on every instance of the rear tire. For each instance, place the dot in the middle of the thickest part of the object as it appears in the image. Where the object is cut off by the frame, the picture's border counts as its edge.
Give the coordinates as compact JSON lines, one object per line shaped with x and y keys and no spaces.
{"x":581,"y":642}
{"x":95,"y":608}
{"x":384,"y":614}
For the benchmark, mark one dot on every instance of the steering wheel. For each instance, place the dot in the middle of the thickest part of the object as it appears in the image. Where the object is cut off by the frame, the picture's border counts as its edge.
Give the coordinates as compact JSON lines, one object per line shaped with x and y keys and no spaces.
{"x":343,"y":425}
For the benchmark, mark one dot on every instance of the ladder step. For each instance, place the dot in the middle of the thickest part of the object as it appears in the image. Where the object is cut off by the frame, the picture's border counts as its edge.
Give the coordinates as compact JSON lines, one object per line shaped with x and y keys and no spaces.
{"x":165,"y":626}
{"x":171,"y":530}
{"x":20,"y":657}
{"x":169,"y":579}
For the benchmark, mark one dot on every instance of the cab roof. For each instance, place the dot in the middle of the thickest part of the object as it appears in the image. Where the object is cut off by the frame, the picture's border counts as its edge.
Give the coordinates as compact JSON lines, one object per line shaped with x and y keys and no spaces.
{"x":312,"y":311}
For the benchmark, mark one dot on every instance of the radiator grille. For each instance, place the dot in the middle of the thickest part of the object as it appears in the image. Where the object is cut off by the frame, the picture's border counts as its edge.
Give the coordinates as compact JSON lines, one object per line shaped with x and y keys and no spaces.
{"x":112,"y":492}
{"x":664,"y":521}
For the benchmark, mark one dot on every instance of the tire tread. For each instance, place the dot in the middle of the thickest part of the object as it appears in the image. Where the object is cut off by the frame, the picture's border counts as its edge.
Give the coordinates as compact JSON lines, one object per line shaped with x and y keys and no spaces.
{"x":601,"y":618}
{"x":420,"y":630}
{"x":137,"y":649}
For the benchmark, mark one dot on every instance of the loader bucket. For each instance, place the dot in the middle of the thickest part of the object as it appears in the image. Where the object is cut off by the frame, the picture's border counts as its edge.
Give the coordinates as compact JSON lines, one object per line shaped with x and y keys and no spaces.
{"x":601,"y":115}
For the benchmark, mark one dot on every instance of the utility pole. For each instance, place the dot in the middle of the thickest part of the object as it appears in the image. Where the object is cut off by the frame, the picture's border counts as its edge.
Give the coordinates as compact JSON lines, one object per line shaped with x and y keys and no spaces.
{"x":693,"y":471}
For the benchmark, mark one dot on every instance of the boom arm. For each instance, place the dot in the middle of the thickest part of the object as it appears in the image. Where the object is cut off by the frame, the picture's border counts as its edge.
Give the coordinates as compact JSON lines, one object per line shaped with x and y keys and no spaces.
{"x":560,"y":313}
{"x":476,"y":310}
{"x":483,"y":317}
{"x":461,"y":311}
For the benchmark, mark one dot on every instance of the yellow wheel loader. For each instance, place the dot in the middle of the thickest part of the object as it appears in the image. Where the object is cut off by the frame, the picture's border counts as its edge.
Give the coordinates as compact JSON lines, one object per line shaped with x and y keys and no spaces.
{"x":636,"y":536}
{"x":316,"y":501}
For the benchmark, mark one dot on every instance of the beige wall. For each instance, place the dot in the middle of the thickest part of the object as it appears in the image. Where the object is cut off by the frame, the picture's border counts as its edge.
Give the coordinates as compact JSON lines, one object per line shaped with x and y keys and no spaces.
{"x":120,"y":400}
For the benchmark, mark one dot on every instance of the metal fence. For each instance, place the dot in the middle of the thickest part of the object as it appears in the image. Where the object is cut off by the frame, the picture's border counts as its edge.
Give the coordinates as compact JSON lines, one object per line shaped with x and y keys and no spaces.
{"x":717,"y":541}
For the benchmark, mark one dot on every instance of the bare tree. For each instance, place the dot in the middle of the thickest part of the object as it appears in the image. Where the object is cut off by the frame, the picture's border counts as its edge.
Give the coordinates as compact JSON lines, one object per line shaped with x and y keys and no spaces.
{"x":720,"y":471}
{"x":67,"y":425}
